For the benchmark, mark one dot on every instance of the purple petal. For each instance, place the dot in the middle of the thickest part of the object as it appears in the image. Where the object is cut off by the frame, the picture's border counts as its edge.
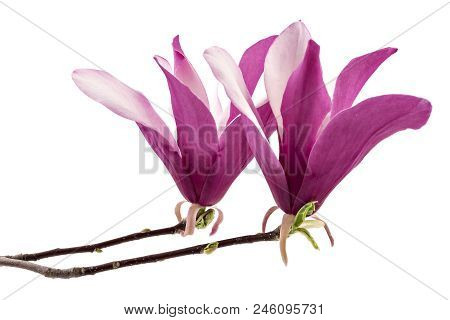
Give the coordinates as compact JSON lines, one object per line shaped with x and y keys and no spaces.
{"x":269,"y":164}
{"x":233,"y":157}
{"x":283,"y":57}
{"x":252,"y":62}
{"x":186,"y":73}
{"x":173,"y":162}
{"x":267,"y":119}
{"x":352,"y":134}
{"x":252,"y":67}
{"x":228,"y":73}
{"x":305,"y":104}
{"x":196,"y":130}
{"x":353,"y":77}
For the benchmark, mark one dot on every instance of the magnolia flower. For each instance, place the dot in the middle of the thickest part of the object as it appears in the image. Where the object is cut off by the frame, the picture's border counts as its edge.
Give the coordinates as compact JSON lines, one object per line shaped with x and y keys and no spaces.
{"x":210,"y":149}
{"x":321,"y":139}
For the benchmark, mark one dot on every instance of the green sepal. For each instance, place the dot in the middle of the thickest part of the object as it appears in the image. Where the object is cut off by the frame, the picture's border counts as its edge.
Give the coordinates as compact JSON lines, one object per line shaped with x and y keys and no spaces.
{"x":145,"y":230}
{"x":98,"y":250}
{"x":204,"y":218}
{"x":308,"y":236}
{"x":301,"y":215}
{"x":211,"y":247}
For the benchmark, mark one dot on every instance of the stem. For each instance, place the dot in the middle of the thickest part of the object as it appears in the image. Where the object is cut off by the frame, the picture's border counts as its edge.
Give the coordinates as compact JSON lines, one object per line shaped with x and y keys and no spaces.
{"x":84,"y":271}
{"x":100,"y":245}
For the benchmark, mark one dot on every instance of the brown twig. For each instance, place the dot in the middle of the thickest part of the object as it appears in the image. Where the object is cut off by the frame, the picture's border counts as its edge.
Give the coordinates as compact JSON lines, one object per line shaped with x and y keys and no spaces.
{"x":146,"y":233}
{"x":84,"y":271}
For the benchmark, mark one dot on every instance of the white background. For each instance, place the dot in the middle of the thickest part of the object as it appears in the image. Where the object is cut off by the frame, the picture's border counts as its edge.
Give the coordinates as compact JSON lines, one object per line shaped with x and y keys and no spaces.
{"x":69,"y":167}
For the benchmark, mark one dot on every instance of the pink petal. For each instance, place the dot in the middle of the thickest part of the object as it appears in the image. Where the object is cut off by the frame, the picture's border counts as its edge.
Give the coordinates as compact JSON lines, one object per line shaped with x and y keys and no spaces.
{"x":164,"y":63}
{"x":178,"y":211}
{"x":228,"y":73}
{"x":351,"y":134}
{"x":173,"y":162}
{"x":283,"y":57}
{"x":252,"y":62}
{"x":191,"y":219}
{"x":267,"y":216}
{"x":121,"y":99}
{"x":353,"y":77}
{"x":305,"y":104}
{"x":228,"y":165}
{"x":196,"y":131}
{"x":285,"y":228}
{"x":327,"y":229}
{"x":186,"y":73}
{"x":267,"y":118}
{"x":252,"y":67}
{"x":233,"y":156}
{"x":218,"y":221}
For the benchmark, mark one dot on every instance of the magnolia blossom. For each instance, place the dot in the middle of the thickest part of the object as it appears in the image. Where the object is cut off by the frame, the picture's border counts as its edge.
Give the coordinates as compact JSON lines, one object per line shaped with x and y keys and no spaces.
{"x":210,"y":150}
{"x":320,"y":139}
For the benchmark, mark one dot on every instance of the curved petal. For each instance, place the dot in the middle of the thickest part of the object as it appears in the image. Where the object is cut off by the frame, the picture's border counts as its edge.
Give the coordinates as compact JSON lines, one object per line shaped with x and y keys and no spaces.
{"x":353,"y":77}
{"x":267,"y":216}
{"x":305,"y":104}
{"x":178,"y":211}
{"x":164,"y":63}
{"x":267,"y":118}
{"x":121,"y":99}
{"x":252,"y":67}
{"x":173,"y":162}
{"x":232,"y":157}
{"x":218,"y":221}
{"x":196,"y":130}
{"x":186,"y":73}
{"x":352,"y":134}
{"x":252,"y":62}
{"x":283,"y":57}
{"x":285,"y":228}
{"x":327,"y":230}
{"x":126,"y":102}
{"x":228,"y":73}
{"x":191,"y":219}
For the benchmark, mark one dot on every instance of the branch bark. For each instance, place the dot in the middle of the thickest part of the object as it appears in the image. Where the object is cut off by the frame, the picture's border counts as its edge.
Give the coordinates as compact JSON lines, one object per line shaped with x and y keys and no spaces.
{"x":113,"y":265}
{"x":100,"y":245}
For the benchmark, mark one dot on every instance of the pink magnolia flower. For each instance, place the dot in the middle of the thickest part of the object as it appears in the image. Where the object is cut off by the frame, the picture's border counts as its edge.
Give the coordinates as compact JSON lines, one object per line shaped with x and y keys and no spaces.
{"x":321,"y":139}
{"x":210,"y":150}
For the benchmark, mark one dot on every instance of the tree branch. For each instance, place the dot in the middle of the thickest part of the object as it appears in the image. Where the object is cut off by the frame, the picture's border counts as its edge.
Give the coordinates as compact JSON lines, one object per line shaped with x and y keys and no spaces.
{"x":146,"y":233}
{"x":84,"y":271}
{"x":43,"y":270}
